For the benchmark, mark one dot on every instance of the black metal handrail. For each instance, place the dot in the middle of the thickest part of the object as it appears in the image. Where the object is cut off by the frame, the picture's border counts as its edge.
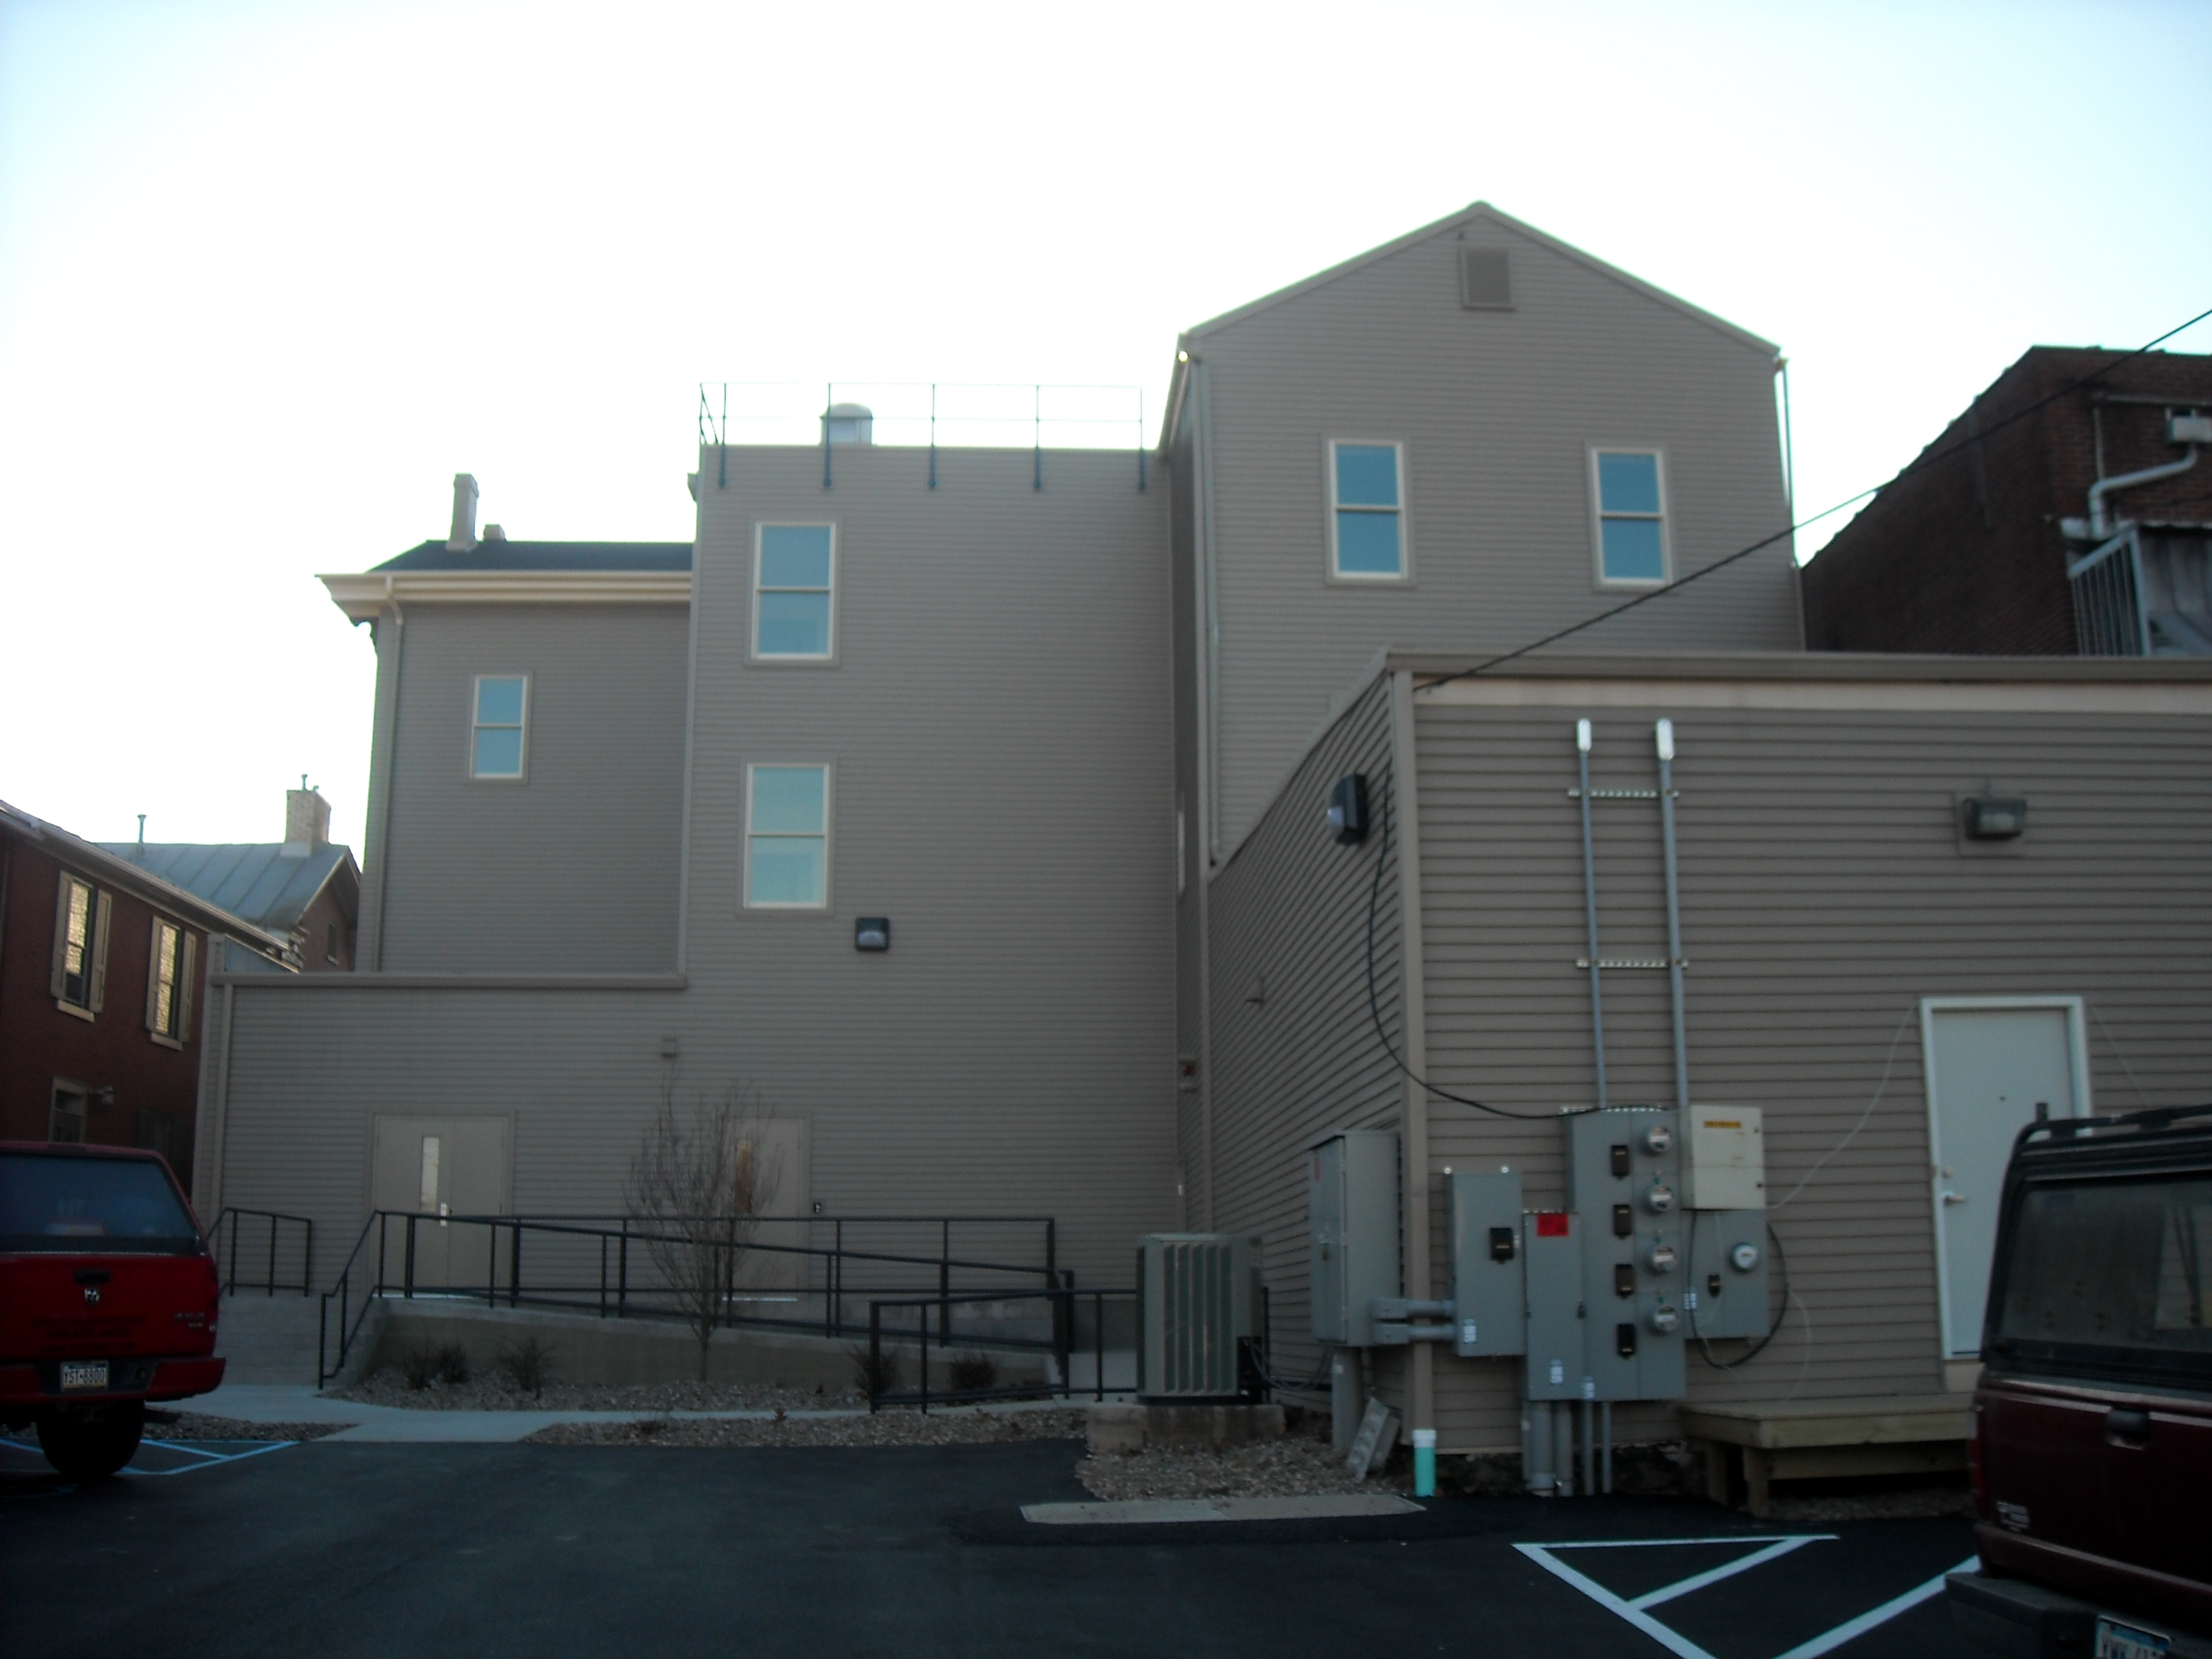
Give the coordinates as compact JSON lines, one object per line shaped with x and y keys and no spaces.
{"x":616,"y":1294}
{"x":1062,"y":1347}
{"x":270,"y":1283}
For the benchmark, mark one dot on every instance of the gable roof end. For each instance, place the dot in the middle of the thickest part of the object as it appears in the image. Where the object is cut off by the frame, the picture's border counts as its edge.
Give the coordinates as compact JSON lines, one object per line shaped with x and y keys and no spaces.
{"x":1476,"y":213}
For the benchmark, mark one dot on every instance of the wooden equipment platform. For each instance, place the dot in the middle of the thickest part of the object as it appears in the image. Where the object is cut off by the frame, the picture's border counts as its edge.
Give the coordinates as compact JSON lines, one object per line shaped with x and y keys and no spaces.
{"x":1816,"y":1439}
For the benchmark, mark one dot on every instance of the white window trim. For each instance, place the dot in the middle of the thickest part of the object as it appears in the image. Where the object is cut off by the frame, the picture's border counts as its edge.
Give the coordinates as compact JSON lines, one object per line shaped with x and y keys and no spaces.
{"x":1404,"y":578}
{"x":2077,"y":1044}
{"x":100,"y":916}
{"x":1597,"y":517}
{"x":745,"y":901}
{"x":469,"y":752}
{"x":792,"y":658}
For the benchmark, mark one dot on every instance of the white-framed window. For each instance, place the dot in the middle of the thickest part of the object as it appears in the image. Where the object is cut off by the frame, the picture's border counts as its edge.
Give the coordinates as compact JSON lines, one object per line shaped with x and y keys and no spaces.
{"x":169,"y":983}
{"x":78,"y":979}
{"x":498,"y":725}
{"x":795,"y":593}
{"x":786,"y":837}
{"x":1628,"y":494}
{"x":1366,"y":511}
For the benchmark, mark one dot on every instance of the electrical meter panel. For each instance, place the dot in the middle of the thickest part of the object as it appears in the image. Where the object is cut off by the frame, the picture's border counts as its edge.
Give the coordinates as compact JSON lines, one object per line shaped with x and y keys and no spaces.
{"x":1624,"y":1183}
{"x":1552,"y":1253}
{"x":1490,"y":1296}
{"x":1728,"y":1293}
{"x":1724,"y":1159}
{"x":1352,"y":1218}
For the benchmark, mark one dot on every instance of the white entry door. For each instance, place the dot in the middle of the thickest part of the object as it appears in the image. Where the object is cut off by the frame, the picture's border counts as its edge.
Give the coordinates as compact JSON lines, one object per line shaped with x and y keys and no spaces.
{"x":1993,"y":1065}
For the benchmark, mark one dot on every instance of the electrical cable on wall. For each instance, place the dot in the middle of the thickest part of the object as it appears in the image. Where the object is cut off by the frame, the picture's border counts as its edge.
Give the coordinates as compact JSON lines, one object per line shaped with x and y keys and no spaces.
{"x":1374,"y":1005}
{"x":1765,"y":542}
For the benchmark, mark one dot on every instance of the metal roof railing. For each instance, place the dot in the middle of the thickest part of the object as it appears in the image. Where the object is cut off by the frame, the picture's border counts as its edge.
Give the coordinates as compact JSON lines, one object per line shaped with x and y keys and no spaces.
{"x":923,"y":414}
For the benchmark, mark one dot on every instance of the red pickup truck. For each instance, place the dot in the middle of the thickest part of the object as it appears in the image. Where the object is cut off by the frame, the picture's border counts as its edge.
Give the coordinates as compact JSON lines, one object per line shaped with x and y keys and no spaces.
{"x":2092,"y":1433}
{"x":109,"y":1299}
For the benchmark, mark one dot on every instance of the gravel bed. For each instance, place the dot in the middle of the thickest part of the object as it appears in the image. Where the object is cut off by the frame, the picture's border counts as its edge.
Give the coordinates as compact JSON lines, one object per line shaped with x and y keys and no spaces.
{"x":885,"y":1428}
{"x":496,"y":1394}
{"x":1290,"y":1467}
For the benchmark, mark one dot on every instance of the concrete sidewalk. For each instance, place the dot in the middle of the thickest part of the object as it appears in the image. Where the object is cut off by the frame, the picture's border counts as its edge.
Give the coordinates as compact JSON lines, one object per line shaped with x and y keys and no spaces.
{"x":248,"y":1403}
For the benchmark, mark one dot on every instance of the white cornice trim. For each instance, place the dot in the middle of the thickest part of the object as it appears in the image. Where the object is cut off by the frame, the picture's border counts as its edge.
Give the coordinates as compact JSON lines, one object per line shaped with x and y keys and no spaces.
{"x":363,"y":596}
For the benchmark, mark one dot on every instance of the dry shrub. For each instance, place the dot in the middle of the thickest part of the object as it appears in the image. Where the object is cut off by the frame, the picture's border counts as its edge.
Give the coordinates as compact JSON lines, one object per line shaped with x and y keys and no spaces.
{"x":528,"y":1364}
{"x":877,"y":1375}
{"x":971,"y":1372}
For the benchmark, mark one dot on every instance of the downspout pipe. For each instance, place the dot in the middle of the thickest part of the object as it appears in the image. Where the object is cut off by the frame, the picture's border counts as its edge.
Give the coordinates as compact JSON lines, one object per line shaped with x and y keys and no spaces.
{"x":2099,"y":526}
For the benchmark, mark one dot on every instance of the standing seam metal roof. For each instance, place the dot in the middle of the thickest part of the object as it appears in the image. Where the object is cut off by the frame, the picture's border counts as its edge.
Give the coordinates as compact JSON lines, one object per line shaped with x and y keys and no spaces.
{"x":255,"y":881}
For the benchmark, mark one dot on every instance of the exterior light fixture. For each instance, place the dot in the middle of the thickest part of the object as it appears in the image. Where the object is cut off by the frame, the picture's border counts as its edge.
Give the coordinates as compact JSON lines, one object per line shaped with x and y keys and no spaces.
{"x":1347,"y":809}
{"x":872,"y":933}
{"x":1993,"y":818}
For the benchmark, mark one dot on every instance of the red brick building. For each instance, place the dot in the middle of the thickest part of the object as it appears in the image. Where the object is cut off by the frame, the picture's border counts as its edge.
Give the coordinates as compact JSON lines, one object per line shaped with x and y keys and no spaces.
{"x":1992,"y":544}
{"x":102,"y":994}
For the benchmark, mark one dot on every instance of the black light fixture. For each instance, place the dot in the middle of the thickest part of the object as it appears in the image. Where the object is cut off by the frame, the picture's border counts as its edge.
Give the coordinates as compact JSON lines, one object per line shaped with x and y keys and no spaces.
{"x":872,"y":933}
{"x":1992,"y":816}
{"x":1347,"y":809}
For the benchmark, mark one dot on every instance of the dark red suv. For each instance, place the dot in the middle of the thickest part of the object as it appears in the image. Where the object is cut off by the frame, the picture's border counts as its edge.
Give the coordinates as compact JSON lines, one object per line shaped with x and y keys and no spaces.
{"x":109,"y":1299}
{"x":2092,"y":1448}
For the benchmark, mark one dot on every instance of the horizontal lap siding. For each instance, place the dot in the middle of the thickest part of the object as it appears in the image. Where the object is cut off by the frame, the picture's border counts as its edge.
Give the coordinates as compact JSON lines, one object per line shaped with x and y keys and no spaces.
{"x":1289,"y":912}
{"x":1823,"y":893}
{"x":1497,"y":410}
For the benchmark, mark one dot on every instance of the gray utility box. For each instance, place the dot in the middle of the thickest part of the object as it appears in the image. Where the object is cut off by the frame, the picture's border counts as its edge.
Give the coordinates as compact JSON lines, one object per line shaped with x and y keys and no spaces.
{"x":1552,"y":1255}
{"x":1490,"y":1289}
{"x":1724,"y":1159}
{"x":1352,"y":1220}
{"x":1624,"y":1184}
{"x":1198,"y":1306}
{"x":1728,"y":1286}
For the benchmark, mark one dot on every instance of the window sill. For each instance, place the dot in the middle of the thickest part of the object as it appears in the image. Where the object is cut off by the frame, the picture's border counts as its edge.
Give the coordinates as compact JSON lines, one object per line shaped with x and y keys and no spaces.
{"x":76,"y":1010}
{"x":177,"y":1043}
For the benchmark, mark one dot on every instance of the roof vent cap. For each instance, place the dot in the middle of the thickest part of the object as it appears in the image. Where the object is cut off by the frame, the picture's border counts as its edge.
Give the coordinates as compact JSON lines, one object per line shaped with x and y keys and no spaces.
{"x":495,"y":532}
{"x":848,"y":423}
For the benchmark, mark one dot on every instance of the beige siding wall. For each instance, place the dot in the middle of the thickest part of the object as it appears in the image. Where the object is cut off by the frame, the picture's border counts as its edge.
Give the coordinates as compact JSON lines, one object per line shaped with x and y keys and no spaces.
{"x":1497,"y":410}
{"x":1294,"y":1046}
{"x":572,"y":870}
{"x":1824,"y":893}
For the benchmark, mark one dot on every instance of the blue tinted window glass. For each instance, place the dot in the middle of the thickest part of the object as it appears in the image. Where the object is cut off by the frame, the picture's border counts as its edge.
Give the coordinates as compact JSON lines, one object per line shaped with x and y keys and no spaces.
{"x":794,"y":555}
{"x":788,"y":870}
{"x":499,"y":751}
{"x":498,"y":702}
{"x":1367,"y":544}
{"x":1366,"y":475}
{"x":789,"y":800}
{"x":794,"y":625}
{"x":1633,"y":552}
{"x":1628,"y":483}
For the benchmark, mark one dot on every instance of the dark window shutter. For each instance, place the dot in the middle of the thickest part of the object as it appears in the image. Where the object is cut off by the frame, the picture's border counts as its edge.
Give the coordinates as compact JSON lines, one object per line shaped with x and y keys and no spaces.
{"x":106,"y":913}
{"x":184,"y":989}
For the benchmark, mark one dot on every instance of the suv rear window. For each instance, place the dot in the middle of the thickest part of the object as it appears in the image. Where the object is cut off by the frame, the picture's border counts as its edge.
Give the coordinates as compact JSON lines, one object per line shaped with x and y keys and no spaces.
{"x":2116,"y":1272}
{"x":91,"y":1206}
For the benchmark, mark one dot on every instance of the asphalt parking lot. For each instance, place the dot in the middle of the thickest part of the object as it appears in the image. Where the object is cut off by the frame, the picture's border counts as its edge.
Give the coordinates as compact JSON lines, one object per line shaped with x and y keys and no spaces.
{"x":913,"y":1552}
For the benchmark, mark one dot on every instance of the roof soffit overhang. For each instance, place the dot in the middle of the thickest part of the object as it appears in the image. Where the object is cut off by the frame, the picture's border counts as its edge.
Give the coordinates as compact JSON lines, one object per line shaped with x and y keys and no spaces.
{"x":364,"y":596}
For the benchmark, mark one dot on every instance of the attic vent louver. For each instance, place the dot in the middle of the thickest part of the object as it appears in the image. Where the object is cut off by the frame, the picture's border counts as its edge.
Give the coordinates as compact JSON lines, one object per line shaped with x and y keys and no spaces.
{"x":1485,"y":279}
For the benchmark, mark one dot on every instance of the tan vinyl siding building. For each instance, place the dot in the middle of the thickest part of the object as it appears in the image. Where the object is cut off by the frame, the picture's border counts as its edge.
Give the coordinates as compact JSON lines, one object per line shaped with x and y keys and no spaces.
{"x":1828,"y":903}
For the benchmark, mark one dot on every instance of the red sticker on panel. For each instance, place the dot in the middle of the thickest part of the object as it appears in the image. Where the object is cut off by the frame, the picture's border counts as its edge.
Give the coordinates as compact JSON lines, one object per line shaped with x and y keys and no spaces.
{"x":1551,"y":1223}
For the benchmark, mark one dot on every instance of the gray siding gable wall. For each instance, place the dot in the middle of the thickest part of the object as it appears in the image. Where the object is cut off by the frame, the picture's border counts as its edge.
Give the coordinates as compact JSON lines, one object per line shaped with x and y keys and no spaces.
{"x":572,"y":869}
{"x":1498,"y":411}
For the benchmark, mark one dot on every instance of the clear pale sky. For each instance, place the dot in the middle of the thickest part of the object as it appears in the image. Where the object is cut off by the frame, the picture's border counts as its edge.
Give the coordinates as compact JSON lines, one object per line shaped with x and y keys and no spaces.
{"x":271,"y":274}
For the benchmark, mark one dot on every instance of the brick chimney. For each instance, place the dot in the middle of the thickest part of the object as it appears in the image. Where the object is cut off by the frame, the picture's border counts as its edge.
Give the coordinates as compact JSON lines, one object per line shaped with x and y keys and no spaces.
{"x":306,"y":821}
{"x":464,"y":538}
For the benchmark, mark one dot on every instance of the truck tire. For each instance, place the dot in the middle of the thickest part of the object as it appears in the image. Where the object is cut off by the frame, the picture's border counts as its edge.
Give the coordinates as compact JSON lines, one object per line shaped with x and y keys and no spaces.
{"x":90,"y":1445}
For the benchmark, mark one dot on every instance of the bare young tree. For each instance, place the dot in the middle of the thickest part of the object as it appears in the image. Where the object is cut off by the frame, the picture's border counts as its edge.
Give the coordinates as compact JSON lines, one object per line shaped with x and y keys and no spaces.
{"x":700,"y":1182}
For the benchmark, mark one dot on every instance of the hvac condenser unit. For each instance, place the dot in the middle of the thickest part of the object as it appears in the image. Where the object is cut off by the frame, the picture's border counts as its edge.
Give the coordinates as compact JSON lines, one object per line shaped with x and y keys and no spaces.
{"x":1198,"y":1306}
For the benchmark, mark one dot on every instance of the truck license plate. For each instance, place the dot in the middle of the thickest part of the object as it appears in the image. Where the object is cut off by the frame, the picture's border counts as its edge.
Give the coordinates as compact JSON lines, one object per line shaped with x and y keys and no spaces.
{"x":2118,"y":1641}
{"x":92,"y":1373}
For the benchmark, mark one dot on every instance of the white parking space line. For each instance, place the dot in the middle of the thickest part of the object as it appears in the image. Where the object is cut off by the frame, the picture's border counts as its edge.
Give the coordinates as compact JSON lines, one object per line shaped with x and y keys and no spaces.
{"x":1888,"y":1610}
{"x":209,"y":1459}
{"x":1632,"y":1611}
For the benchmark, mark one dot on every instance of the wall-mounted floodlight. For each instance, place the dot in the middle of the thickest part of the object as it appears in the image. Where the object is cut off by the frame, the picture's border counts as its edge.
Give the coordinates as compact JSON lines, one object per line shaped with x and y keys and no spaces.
{"x":872,"y":933}
{"x":1347,"y":809}
{"x":1994,"y":817}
